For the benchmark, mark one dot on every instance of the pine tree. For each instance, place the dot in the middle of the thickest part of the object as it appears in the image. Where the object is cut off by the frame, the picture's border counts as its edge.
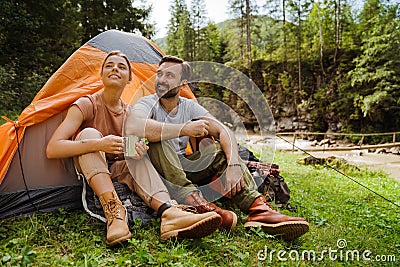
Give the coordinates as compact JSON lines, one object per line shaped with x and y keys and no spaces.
{"x":199,"y":22}
{"x":180,"y":32}
{"x":377,"y":73}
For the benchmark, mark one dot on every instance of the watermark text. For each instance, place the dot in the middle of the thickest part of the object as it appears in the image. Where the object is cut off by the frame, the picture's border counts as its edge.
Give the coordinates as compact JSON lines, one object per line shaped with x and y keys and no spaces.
{"x":339,"y":253}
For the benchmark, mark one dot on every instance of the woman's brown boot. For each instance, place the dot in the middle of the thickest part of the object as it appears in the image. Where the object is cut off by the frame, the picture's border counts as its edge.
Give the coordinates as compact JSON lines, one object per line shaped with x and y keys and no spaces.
{"x":117,"y":223}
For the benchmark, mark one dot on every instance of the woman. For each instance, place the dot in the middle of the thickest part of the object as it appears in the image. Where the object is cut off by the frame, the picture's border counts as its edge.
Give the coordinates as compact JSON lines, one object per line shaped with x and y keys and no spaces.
{"x":98,"y":153}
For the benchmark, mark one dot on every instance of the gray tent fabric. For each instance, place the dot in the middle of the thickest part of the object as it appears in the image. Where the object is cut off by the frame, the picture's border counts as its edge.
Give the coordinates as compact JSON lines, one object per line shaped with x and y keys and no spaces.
{"x":124,"y":42}
{"x":41,"y":185}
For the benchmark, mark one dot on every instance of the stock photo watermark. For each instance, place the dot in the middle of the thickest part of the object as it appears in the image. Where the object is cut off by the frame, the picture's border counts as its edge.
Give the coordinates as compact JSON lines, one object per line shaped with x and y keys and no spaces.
{"x":339,"y":253}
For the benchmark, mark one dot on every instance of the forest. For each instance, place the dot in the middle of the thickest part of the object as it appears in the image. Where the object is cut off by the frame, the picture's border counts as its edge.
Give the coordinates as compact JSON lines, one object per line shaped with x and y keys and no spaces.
{"x":329,"y":65}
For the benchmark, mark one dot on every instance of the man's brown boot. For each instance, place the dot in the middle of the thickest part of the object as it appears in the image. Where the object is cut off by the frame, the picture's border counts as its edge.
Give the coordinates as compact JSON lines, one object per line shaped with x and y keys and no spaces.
{"x":273,"y":222}
{"x":229,"y":218}
{"x":180,"y":221}
{"x":117,"y":223}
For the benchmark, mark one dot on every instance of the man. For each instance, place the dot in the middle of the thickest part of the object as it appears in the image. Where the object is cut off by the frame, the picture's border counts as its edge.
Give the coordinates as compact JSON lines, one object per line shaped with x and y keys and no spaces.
{"x":97,"y":151}
{"x":167,"y":116}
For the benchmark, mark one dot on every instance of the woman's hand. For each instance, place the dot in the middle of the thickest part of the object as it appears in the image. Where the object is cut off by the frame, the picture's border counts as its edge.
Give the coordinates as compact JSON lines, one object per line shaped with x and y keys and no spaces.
{"x":111,"y":144}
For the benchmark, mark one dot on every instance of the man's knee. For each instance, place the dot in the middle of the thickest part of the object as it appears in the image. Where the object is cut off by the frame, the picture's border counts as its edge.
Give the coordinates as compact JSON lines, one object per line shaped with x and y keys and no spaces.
{"x":162,"y":149}
{"x":154,"y":146}
{"x":218,"y":155}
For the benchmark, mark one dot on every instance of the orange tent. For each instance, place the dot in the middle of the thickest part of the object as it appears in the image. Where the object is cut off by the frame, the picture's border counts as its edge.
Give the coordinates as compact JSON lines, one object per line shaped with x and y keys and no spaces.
{"x":29,"y":182}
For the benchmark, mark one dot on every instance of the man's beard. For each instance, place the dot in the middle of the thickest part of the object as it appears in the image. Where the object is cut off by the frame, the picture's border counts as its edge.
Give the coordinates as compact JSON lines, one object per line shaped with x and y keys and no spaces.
{"x":169,"y":93}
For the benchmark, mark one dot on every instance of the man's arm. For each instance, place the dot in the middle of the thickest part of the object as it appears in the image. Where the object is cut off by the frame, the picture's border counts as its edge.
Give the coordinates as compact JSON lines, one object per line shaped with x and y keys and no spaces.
{"x":227,"y":139}
{"x":139,"y":124}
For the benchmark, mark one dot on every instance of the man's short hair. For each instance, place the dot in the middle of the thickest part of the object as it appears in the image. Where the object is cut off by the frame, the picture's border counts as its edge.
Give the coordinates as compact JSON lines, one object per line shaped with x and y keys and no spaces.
{"x":186,"y":69}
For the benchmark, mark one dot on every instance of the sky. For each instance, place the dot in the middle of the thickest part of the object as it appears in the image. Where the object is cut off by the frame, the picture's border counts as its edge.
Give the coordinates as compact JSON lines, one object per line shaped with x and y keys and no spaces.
{"x":216,"y":11}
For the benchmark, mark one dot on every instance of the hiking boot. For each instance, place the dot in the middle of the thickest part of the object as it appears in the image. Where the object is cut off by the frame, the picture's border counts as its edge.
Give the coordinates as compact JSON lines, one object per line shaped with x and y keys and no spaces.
{"x":182,"y":222}
{"x":117,"y":223}
{"x":273,"y":222}
{"x":229,"y":218}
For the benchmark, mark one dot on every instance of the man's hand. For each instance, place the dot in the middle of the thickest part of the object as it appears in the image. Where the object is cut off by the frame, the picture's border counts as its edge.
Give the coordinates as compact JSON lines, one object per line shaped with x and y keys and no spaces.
{"x":198,"y":128}
{"x":233,"y":180}
{"x":141,"y":149}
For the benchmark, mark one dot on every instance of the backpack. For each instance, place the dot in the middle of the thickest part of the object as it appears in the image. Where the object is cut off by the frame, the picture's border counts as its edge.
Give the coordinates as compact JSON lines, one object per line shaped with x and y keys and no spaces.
{"x":267,"y":178}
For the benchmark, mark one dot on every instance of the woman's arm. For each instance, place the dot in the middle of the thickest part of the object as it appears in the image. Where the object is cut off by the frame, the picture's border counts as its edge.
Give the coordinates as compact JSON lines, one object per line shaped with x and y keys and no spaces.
{"x":60,"y":145}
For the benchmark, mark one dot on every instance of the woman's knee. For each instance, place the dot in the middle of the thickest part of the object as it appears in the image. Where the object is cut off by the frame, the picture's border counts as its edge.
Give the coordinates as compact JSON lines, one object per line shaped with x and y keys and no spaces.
{"x":89,"y":133}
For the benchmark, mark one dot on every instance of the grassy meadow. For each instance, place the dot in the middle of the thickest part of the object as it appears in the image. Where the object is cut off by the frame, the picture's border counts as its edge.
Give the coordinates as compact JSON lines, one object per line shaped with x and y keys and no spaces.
{"x":349,"y":226}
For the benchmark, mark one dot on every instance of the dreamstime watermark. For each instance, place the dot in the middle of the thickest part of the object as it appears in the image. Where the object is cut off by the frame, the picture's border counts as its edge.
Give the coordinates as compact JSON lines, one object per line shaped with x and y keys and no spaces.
{"x":339,"y":253}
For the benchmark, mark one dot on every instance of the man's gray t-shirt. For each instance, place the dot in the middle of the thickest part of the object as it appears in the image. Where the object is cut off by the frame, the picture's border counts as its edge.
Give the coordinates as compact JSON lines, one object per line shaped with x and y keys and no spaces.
{"x":187,"y":110}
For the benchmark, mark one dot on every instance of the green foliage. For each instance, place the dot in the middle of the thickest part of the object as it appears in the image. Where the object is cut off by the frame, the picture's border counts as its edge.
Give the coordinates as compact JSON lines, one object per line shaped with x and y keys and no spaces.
{"x":336,"y":208}
{"x":335,"y":63}
{"x":376,"y":74}
{"x":209,"y":47}
{"x":7,"y":79}
{"x":180,"y":31}
{"x":46,"y":32}
{"x":36,"y":37}
{"x":98,"y":16}
{"x":320,"y":59}
{"x":190,"y":35}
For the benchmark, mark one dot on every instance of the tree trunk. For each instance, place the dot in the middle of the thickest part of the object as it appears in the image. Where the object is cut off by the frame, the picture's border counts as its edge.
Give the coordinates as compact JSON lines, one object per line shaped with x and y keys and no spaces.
{"x":241,"y":29}
{"x":284,"y":34}
{"x":337,"y":31}
{"x":321,"y":41}
{"x":299,"y":46}
{"x":248,"y":34}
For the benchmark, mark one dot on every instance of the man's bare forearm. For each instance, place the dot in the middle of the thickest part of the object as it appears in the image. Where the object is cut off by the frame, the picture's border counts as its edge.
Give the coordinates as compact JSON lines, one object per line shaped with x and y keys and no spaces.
{"x":229,"y":146}
{"x":153,"y":130}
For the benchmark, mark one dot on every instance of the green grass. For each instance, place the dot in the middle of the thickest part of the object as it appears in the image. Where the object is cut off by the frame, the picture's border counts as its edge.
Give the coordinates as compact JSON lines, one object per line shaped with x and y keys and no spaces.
{"x":12,"y":115}
{"x":336,"y":207}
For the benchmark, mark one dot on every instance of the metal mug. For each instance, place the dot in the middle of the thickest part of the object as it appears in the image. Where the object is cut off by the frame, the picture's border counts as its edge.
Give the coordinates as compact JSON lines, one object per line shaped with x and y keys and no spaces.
{"x":130,"y":145}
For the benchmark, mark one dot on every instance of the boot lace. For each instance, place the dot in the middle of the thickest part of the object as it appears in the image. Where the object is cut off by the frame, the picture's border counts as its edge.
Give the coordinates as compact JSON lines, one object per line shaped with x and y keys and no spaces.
{"x":201,"y":203}
{"x":186,"y":208}
{"x":113,"y":210}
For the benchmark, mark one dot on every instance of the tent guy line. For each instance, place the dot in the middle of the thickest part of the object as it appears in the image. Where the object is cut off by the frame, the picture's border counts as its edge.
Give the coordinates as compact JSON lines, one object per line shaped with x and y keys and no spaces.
{"x":22,"y":169}
{"x":340,"y":172}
